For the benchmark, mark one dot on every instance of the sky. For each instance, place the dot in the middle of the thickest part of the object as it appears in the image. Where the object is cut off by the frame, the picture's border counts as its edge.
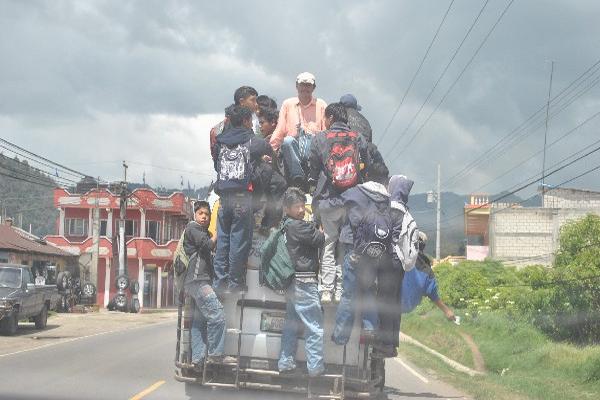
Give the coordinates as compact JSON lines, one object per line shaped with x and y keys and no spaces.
{"x":91,"y":83}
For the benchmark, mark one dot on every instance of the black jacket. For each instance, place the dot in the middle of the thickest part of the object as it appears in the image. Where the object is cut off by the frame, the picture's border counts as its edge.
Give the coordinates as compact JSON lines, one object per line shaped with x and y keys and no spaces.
{"x":303,"y":243}
{"x":197,"y":245}
{"x":233,"y":136}
{"x":358,"y":123}
{"x":318,"y":153}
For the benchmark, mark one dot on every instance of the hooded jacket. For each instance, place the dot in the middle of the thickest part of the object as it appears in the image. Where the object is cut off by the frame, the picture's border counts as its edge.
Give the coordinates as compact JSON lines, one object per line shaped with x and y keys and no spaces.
{"x":406,"y":233}
{"x":319,"y":151}
{"x":358,"y":201}
{"x":198,"y":246}
{"x":233,"y":136}
{"x":303,"y":241}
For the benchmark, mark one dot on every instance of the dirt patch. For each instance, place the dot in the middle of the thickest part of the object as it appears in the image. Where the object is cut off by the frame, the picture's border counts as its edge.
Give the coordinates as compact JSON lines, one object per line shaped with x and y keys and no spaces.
{"x":65,"y":327}
{"x":478,"y":360}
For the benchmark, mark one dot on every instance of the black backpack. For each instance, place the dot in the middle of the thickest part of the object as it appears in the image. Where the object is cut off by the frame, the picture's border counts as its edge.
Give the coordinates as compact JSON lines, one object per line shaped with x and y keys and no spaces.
{"x":233,"y":167}
{"x":373,"y":235}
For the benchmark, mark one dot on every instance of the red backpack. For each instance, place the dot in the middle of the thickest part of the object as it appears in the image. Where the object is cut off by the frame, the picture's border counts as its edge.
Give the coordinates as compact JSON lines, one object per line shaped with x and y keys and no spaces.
{"x":342,"y":159}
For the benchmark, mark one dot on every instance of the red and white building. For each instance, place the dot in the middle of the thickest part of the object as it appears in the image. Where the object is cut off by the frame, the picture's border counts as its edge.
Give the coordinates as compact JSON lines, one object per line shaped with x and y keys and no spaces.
{"x":153,"y":226}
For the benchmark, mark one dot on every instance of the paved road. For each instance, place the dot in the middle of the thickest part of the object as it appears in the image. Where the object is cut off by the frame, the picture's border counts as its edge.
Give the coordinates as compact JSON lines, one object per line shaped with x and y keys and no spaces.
{"x":122,"y":365}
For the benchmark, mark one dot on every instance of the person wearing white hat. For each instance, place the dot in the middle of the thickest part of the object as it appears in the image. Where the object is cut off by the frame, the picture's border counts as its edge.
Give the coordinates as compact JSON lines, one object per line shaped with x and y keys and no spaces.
{"x":300,"y":118}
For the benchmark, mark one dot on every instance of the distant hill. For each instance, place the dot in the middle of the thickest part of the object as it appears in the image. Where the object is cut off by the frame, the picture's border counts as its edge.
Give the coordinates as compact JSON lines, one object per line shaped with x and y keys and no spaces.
{"x":26,"y":196}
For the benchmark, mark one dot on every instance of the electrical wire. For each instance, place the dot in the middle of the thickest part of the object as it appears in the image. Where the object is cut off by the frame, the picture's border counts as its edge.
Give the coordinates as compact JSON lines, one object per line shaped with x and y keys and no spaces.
{"x":414,"y":77}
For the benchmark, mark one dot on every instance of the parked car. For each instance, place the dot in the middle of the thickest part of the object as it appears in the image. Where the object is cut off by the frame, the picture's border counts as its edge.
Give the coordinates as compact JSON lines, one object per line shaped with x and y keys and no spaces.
{"x":21,"y":298}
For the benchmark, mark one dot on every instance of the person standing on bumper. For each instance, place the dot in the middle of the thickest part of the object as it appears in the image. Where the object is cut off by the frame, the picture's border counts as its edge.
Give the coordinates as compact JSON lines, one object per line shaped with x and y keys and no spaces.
{"x":303,"y":306}
{"x":208,"y":324}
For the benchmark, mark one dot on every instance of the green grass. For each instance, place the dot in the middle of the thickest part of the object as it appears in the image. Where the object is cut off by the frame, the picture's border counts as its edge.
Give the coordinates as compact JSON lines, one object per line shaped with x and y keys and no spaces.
{"x":534,"y":366}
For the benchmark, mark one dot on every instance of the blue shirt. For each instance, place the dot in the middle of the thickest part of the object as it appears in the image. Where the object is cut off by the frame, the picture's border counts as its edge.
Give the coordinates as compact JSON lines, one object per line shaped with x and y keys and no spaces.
{"x":415,"y":285}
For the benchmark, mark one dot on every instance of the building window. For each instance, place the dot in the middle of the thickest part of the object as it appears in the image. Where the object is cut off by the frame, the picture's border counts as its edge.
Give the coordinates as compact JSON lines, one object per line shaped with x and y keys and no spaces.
{"x":131,"y":228}
{"x":103,"y":225}
{"x":76,"y":226}
{"x":153,"y":230}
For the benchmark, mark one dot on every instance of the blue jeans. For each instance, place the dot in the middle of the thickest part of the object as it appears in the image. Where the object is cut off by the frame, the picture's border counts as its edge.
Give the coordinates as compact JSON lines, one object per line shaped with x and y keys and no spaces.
{"x":235,"y":223}
{"x":296,"y":151}
{"x":303,"y":307}
{"x":358,"y":294}
{"x":208,"y":325}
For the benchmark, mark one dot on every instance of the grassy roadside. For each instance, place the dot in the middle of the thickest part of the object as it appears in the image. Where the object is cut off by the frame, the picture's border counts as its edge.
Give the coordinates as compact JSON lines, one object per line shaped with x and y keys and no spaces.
{"x":521,"y":362}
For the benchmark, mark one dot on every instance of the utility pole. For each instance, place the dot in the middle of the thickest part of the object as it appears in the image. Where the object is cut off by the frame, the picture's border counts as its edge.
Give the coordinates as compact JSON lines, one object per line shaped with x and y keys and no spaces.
{"x":546,"y":132}
{"x":122,"y":216}
{"x":439,"y":209}
{"x":93,"y":273}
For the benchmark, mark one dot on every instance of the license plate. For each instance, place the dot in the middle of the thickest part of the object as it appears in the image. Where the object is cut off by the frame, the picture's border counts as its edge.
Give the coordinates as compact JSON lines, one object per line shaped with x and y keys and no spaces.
{"x":272,"y":322}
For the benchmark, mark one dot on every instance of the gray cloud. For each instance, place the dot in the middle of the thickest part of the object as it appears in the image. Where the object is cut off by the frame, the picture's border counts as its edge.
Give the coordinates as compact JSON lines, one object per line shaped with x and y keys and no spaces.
{"x":80,"y":76}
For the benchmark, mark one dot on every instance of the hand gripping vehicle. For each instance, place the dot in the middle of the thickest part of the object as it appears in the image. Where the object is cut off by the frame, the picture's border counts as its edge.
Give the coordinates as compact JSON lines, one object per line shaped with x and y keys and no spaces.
{"x":254,"y":324}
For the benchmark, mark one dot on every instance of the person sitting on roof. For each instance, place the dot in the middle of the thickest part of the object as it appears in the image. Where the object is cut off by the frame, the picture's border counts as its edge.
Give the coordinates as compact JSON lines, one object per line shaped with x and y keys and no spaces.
{"x":299,"y":119}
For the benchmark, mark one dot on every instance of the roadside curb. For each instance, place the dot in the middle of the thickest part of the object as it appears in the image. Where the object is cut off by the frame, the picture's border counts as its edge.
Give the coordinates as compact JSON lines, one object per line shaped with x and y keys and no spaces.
{"x":454,"y":364}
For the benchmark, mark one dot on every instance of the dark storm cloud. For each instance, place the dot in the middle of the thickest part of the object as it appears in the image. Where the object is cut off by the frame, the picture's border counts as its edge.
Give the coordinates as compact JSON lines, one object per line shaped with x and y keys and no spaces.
{"x":78,"y":68}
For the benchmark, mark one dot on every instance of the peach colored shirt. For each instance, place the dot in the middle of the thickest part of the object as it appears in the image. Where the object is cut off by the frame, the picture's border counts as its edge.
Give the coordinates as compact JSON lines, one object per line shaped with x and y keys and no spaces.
{"x":311,"y":118}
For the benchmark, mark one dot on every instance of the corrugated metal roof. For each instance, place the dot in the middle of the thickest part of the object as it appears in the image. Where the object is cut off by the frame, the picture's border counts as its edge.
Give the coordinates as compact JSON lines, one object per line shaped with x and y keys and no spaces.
{"x":11,"y":239}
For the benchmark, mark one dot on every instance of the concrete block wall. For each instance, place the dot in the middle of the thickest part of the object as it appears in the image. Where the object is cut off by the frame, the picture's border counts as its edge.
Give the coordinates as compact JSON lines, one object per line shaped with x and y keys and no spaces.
{"x":571,"y":198}
{"x":525,"y":236}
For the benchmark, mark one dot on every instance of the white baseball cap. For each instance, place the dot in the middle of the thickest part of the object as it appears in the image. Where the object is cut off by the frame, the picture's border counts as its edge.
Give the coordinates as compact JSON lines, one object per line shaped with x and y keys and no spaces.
{"x":306,"y":77}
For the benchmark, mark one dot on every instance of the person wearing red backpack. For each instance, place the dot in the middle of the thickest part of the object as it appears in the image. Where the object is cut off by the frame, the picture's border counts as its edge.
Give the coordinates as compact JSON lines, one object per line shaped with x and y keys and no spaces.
{"x":336,"y":159}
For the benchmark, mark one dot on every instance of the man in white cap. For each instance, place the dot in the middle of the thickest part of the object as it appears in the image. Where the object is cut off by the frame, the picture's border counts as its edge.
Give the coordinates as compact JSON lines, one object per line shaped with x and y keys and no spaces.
{"x":299,"y":119}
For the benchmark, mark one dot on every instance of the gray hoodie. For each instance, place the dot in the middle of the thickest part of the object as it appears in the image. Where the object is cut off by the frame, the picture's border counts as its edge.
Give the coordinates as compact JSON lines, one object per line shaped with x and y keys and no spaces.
{"x":406,"y":235}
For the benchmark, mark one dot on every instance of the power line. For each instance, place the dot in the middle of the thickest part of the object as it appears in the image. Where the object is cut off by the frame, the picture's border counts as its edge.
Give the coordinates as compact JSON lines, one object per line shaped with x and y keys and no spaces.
{"x":562,"y":137}
{"x":440,"y":77}
{"x":418,"y":131}
{"x":563,"y":93}
{"x":531,"y":182}
{"x":26,"y":180}
{"x":172,"y":169}
{"x":43,"y":158}
{"x":412,"y":81}
{"x":515,"y":140}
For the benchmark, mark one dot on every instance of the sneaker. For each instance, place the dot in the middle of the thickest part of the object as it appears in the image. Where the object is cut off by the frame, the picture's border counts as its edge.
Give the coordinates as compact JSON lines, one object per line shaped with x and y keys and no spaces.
{"x":337,"y":297}
{"x":317,"y":373}
{"x":326,"y":297}
{"x":288,"y":371}
{"x":221,"y":360}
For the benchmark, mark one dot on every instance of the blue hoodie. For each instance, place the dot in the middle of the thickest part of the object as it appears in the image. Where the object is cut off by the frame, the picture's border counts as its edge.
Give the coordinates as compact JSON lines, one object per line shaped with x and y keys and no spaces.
{"x":357,"y":201}
{"x":233,"y":136}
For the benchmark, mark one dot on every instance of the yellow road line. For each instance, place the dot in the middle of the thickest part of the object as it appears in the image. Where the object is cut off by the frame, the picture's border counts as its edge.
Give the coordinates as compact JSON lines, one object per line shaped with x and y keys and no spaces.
{"x":147,"y":391}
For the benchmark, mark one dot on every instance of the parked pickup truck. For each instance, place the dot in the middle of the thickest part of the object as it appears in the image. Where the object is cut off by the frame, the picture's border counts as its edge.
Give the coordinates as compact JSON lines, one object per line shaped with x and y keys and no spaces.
{"x":21,"y":298}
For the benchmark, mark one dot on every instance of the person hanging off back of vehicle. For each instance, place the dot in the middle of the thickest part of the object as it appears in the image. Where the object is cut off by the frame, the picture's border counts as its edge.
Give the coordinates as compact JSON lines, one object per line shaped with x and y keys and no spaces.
{"x":244,"y":96}
{"x":237,"y":150}
{"x":420,"y":282}
{"x":367,"y":234}
{"x":208,"y":324}
{"x":299,"y":119}
{"x":401,"y":257}
{"x":303,"y":306}
{"x":267,"y":180}
{"x":336,"y":157}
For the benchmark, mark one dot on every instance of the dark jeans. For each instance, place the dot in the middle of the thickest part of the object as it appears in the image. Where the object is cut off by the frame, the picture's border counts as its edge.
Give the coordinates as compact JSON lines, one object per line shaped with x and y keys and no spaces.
{"x":272,"y":185}
{"x":359,"y":295}
{"x":235,"y":223}
{"x":389,"y":284}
